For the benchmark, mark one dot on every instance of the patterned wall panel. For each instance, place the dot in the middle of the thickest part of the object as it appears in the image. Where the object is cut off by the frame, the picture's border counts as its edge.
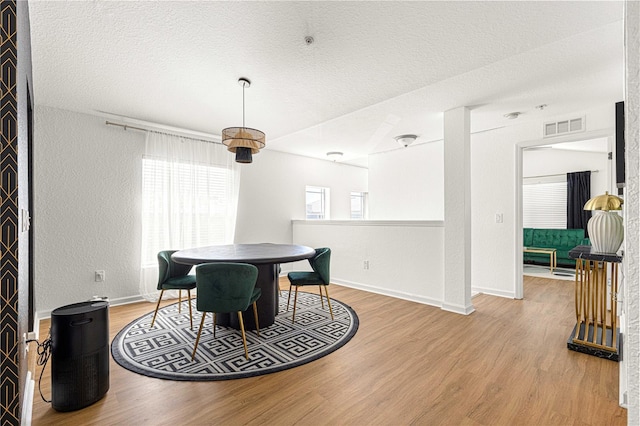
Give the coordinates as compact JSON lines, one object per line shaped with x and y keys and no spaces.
{"x":9,"y":362}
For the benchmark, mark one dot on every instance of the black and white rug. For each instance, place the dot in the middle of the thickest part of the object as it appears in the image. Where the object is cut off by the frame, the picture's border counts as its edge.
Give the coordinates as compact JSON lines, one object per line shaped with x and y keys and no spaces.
{"x":164,"y":351}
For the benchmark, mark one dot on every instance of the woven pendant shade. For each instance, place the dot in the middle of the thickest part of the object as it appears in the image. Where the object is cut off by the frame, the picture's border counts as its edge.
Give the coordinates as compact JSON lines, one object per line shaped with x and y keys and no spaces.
{"x":234,"y":137}
{"x":243,"y":141}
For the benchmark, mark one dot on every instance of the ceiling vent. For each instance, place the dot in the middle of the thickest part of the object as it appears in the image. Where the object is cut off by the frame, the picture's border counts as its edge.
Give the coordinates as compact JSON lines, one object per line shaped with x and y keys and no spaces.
{"x":563,"y":127}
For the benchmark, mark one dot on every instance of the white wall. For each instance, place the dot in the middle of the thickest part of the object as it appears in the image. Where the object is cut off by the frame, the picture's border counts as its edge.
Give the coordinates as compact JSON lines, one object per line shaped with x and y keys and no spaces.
{"x":405,"y":258}
{"x":272,"y":193}
{"x":407,"y":183}
{"x":87,"y":183}
{"x":493,"y":190}
{"x":558,"y":161}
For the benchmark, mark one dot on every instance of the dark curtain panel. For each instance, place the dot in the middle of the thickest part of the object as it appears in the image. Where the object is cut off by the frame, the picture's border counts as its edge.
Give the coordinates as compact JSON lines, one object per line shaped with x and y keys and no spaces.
{"x":578,"y":193}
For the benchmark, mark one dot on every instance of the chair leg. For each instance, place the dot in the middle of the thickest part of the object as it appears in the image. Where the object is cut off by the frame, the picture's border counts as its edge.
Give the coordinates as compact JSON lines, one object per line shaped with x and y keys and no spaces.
{"x":193,"y":355}
{"x":179,"y":301}
{"x":255,"y":317}
{"x":289,"y":298}
{"x":214,"y":325}
{"x":321,"y":299}
{"x":190,"y":310}
{"x":326,"y":289}
{"x":157,"y":306}
{"x":295,"y":303}
{"x":244,"y":337}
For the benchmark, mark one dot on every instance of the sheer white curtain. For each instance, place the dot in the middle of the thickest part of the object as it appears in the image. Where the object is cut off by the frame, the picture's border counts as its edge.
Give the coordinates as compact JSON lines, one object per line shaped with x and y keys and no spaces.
{"x":189,"y":199}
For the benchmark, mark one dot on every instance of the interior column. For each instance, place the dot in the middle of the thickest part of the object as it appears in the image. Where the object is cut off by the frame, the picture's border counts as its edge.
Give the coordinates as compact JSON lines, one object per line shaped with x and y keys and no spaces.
{"x":457,"y":212}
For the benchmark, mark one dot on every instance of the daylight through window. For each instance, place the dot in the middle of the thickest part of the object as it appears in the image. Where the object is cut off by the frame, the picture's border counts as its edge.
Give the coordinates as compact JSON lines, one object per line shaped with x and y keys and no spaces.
{"x":317,"y":202}
{"x":359,"y":205}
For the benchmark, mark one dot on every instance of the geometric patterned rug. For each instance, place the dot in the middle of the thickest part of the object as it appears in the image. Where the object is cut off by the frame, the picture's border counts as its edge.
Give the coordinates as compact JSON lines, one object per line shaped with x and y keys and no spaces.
{"x":164,"y":351}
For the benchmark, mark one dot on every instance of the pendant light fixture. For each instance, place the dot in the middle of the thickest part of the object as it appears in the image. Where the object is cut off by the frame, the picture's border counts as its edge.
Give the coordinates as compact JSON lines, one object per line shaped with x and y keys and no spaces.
{"x":244,"y":141}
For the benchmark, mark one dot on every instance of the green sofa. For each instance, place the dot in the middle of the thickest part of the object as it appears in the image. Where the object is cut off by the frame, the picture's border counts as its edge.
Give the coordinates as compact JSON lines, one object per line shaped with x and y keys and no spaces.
{"x":562,"y":240}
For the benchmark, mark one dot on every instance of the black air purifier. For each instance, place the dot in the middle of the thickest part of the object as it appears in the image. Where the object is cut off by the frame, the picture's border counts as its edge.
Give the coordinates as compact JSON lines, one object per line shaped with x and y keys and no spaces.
{"x":79,"y":354}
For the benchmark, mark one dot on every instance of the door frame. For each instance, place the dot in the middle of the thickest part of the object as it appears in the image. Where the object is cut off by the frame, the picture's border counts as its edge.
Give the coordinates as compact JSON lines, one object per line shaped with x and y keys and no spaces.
{"x":608,"y":133}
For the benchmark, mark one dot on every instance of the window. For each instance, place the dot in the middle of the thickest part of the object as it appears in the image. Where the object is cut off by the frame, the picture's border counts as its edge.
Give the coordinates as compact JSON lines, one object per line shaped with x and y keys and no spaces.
{"x":544,"y":204}
{"x":359,"y":205}
{"x":317,"y":201}
{"x":183,"y":202}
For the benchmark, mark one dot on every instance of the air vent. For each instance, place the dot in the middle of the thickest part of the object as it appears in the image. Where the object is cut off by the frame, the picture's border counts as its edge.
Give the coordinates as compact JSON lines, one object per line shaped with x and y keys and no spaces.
{"x":563,"y":127}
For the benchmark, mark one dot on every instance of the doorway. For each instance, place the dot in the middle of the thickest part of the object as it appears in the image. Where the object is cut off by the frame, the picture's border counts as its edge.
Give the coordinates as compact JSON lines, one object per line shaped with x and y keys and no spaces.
{"x":543,"y":162}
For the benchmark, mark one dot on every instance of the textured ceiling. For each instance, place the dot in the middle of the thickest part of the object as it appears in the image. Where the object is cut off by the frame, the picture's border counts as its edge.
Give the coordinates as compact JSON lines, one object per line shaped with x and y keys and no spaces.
{"x":375,"y":70}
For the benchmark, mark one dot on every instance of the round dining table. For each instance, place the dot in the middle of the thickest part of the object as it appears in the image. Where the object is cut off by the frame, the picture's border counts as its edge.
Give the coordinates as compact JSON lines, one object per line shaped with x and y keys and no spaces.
{"x":266,"y":257}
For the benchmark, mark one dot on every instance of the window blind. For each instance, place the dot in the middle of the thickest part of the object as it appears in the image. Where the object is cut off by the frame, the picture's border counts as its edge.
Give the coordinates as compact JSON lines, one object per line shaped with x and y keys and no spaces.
{"x":198,"y":213}
{"x":544,"y":205}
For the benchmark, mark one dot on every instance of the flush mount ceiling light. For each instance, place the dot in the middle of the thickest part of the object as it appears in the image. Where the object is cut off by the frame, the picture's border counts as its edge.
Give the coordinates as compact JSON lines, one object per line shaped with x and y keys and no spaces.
{"x":406,"y":140}
{"x":512,"y":115}
{"x":334,"y":155}
{"x":244,"y":141}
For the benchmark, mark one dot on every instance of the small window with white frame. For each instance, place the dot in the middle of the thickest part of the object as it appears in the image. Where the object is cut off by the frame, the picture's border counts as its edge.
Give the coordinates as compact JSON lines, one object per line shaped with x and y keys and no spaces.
{"x":317,"y":203}
{"x":359,"y":205}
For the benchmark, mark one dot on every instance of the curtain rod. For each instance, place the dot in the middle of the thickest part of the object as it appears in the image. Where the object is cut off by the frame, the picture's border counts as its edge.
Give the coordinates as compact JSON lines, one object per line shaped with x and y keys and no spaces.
{"x":143,"y":129}
{"x":557,"y":174}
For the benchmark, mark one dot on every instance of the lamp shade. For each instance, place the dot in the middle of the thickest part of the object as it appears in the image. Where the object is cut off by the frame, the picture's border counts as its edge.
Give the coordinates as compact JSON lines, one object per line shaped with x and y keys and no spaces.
{"x":604,"y":202}
{"x":243,"y":141}
{"x":243,"y":155}
{"x":605,"y":228}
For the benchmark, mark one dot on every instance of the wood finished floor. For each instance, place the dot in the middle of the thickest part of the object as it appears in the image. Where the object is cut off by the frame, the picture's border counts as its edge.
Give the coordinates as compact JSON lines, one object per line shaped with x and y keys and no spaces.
{"x":505,"y":364}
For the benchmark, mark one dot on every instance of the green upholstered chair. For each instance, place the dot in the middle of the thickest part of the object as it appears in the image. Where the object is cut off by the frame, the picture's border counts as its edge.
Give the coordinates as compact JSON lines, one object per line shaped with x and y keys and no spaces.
{"x":226,"y":288}
{"x":320,"y":263}
{"x":174,"y":276}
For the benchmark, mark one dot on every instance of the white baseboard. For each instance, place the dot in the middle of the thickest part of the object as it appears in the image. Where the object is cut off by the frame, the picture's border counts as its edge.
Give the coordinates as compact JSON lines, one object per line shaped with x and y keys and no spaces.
{"x":45,"y":314}
{"x":494,"y":292}
{"x":458,"y":309}
{"x":27,"y":401}
{"x":387,"y":292}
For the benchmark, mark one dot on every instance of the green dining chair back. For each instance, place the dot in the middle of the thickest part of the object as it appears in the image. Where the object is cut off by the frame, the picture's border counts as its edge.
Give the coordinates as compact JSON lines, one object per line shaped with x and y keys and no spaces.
{"x":174,"y":276}
{"x":226,"y":288}
{"x":172,"y":273}
{"x":320,"y":276}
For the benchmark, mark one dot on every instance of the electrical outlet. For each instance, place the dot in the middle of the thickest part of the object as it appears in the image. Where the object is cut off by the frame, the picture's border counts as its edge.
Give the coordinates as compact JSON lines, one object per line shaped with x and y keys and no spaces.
{"x":99,"y":276}
{"x":499,"y":218}
{"x":366,"y":264}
